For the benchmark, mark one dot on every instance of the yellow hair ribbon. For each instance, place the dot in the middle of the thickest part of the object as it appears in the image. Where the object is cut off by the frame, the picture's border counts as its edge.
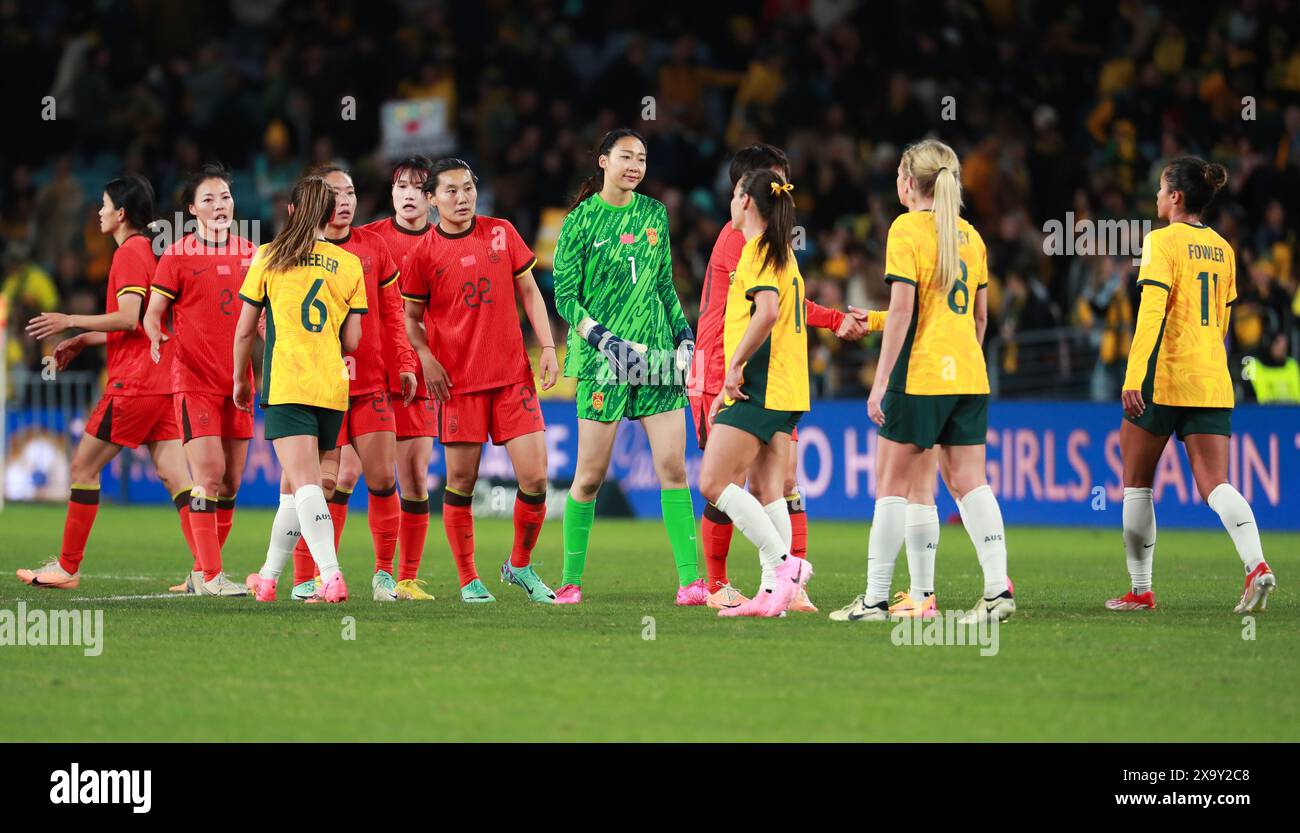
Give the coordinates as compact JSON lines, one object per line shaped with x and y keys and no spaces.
{"x":778,"y":188}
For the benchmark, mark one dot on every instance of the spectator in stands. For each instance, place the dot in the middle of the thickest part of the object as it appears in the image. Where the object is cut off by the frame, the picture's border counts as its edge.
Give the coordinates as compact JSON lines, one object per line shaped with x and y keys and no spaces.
{"x":1275,"y":375}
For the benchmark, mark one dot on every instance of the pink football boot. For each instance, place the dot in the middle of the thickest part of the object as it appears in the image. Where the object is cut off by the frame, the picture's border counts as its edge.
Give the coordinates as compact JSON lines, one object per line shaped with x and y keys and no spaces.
{"x":694,"y":594}
{"x":569,"y":594}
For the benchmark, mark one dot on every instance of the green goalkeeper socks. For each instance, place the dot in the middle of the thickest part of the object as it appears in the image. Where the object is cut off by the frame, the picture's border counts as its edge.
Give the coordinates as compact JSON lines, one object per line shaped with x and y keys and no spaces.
{"x":679,"y":520}
{"x":577,"y":531}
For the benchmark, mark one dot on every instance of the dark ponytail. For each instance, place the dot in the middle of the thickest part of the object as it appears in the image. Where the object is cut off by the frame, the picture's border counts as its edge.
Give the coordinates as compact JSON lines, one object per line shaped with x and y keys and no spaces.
{"x":774,"y":200}
{"x":133,"y":195}
{"x":594,"y":183}
{"x":1197,"y":179}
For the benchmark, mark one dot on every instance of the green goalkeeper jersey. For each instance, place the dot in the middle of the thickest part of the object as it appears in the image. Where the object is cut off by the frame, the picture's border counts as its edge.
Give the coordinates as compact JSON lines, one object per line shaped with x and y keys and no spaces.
{"x":614,"y":265}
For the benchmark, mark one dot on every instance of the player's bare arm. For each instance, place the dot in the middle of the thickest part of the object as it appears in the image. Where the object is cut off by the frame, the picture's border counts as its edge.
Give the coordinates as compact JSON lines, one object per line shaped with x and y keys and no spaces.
{"x":535,"y":308}
{"x":436,"y":380}
{"x":158,"y":304}
{"x":902,"y":297}
{"x":124,"y":318}
{"x":245,"y":334}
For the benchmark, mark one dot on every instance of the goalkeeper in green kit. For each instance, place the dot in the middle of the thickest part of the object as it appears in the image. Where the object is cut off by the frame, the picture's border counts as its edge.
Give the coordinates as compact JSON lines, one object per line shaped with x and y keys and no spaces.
{"x":630,"y":349}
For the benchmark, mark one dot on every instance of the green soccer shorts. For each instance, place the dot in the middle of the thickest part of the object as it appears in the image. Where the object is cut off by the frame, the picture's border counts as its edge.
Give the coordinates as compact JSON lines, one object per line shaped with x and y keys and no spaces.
{"x":924,"y":421}
{"x":610,"y":402}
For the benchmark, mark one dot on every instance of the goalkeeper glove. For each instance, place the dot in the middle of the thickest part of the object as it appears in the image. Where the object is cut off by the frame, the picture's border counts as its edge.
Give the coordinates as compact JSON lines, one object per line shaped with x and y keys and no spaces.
{"x":685,"y":350}
{"x":628,"y":364}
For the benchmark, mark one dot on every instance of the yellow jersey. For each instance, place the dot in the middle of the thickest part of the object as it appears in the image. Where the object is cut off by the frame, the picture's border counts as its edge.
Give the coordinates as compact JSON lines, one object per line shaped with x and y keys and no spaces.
{"x":941,"y":354}
{"x":305,"y":310}
{"x":776,"y":376}
{"x":1189,"y":280}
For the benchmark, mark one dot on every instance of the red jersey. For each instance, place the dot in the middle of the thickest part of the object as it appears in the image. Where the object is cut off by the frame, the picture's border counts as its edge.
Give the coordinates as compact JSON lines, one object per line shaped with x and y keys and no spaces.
{"x":467,"y":281}
{"x":203,"y":281}
{"x":131,"y":371}
{"x":710,"y":367}
{"x":383,"y":349}
{"x":400,"y":242}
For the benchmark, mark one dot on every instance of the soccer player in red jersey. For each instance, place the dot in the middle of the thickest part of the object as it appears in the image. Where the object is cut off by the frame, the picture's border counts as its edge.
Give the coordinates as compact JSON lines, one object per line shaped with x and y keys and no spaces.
{"x":416,"y":422}
{"x":136,"y":407}
{"x":367,"y":439}
{"x":198,"y":278}
{"x":469,"y":277}
{"x":709,"y":372}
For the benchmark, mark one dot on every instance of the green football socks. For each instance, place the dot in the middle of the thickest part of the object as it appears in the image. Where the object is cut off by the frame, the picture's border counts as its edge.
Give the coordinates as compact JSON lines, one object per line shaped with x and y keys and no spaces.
{"x":577,"y":531}
{"x":679,"y":520}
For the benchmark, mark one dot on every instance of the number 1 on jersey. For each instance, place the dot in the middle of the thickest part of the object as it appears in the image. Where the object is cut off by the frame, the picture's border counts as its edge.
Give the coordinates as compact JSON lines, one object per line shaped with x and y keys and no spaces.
{"x":632,"y":260}
{"x":1204,"y":278}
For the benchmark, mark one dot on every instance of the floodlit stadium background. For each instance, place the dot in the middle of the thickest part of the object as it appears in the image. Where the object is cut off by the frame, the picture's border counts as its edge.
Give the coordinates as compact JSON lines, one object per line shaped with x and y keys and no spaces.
{"x":1063,"y":115}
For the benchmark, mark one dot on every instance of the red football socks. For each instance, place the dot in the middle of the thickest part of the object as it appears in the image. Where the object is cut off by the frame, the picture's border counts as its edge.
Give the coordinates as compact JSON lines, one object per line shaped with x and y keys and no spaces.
{"x":530,"y":511}
{"x":715,"y":535}
{"x":382,"y":516}
{"x":412,"y":530}
{"x":83,"y":504}
{"x":458,"y":522}
{"x":798,"y":525}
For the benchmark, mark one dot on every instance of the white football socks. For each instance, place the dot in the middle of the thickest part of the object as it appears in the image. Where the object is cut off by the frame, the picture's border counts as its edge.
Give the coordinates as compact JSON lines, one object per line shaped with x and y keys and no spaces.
{"x":1139,"y":536}
{"x":285,"y":531}
{"x":983,"y":518}
{"x":317,"y":529}
{"x":922,"y":537}
{"x":887,"y":531}
{"x":1239,"y":520}
{"x":779,"y":513}
{"x":752,"y":520}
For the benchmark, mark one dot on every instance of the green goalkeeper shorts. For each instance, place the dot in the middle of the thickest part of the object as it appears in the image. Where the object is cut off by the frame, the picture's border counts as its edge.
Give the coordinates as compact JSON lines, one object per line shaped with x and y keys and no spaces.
{"x":610,"y":402}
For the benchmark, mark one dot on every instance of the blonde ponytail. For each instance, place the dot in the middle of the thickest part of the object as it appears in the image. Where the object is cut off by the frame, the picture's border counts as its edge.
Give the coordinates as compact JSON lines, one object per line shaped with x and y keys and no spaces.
{"x":937,"y":172}
{"x":313,"y":206}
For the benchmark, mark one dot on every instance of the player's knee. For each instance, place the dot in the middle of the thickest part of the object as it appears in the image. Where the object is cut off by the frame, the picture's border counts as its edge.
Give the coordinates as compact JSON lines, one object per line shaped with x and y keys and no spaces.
{"x":534,"y":484}
{"x":584,"y":489}
{"x":83,"y":474}
{"x":712,"y":485}
{"x":672,"y":474}
{"x":790,"y":486}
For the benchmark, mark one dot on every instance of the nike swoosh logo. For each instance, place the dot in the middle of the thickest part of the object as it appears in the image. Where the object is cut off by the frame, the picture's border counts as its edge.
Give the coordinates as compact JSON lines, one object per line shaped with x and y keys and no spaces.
{"x":1147,"y":546}
{"x":601,"y":243}
{"x":36,"y":582}
{"x":1243,"y":523}
{"x":853,"y":617}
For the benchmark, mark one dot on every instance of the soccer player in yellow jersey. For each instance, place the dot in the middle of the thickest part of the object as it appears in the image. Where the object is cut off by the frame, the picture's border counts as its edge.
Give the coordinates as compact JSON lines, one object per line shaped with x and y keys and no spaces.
{"x":313,"y":293}
{"x":765,"y":392}
{"x":1177,"y":380}
{"x":931,"y":386}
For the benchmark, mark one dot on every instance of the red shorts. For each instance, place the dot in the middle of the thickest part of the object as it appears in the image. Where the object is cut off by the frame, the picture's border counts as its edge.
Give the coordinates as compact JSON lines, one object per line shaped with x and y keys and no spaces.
{"x":366,"y":414}
{"x":419,"y":419}
{"x":500,"y":413}
{"x":700,"y":413}
{"x":211,"y":415}
{"x":132,"y":421}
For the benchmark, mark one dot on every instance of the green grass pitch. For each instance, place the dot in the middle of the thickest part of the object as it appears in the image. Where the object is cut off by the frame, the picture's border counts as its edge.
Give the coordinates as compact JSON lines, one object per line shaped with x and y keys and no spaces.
{"x":230,"y":669}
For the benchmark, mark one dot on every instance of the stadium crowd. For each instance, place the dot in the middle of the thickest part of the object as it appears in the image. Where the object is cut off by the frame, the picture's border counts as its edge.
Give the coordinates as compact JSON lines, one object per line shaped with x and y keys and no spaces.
{"x":1076,"y":109}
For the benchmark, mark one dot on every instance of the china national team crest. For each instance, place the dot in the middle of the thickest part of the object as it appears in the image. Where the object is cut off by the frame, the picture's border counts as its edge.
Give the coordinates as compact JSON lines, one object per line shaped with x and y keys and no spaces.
{"x":598,"y":401}
{"x":652,"y":235}
{"x":367,"y":264}
{"x":493,"y":256}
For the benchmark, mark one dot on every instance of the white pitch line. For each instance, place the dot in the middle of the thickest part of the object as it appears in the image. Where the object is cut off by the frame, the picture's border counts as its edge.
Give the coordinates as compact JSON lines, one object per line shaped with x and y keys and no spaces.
{"x":129,"y":598}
